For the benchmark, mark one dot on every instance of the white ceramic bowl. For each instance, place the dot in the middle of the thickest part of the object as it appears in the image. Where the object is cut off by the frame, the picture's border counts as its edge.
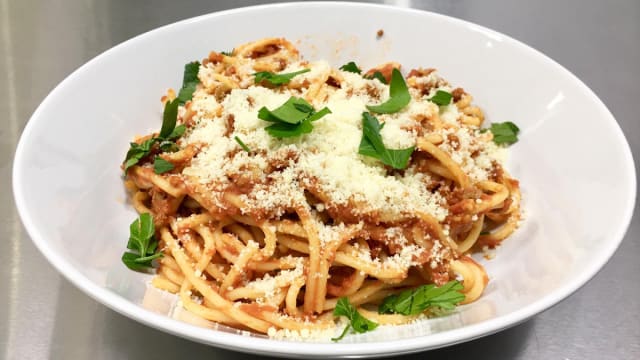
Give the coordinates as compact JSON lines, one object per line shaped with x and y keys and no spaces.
{"x":573,"y":161}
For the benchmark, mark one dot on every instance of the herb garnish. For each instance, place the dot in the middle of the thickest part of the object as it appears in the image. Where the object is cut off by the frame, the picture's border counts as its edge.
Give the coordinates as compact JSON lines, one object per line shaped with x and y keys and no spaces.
{"x":292,"y":118}
{"x":169,"y":132}
{"x":351,"y":67}
{"x":422,"y":298}
{"x":189,"y":82}
{"x":161,"y":166}
{"x":504,"y":133}
{"x":357,"y":322}
{"x":137,"y":152}
{"x":441,"y":98}
{"x":227,"y":53}
{"x":276,"y":79}
{"x":399,"y":96}
{"x":376,"y":75}
{"x":169,"y":117}
{"x":372,"y":145}
{"x":143,"y":244}
{"x":242,"y":144}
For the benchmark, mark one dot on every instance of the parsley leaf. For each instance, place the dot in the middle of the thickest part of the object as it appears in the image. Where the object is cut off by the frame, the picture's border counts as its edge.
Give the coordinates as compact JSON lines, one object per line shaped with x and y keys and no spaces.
{"x":371,"y":145}
{"x":376,"y":75}
{"x":137,"y":152}
{"x":284,"y":130}
{"x":416,"y":301}
{"x":293,"y":118}
{"x":177,"y":132}
{"x":293,"y":111}
{"x":399,"y":96}
{"x":168,"y":132}
{"x":441,"y":98}
{"x":142,"y":243}
{"x":161,"y":166}
{"x":189,"y":82}
{"x":242,"y":144}
{"x":357,"y":322}
{"x":276,"y":79}
{"x":351,"y":67}
{"x":504,"y":133}
{"x":169,"y":117}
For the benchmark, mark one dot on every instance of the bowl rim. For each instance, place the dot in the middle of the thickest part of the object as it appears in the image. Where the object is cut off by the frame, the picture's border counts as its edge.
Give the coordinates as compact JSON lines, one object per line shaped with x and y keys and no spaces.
{"x":283,"y":348}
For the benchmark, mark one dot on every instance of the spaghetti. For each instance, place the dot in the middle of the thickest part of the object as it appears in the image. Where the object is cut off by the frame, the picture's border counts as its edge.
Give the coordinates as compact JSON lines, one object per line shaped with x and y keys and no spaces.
{"x":265,"y":233}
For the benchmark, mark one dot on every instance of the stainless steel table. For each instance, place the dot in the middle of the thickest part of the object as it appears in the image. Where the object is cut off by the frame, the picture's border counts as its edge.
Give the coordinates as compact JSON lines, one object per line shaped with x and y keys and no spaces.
{"x":44,"y":316}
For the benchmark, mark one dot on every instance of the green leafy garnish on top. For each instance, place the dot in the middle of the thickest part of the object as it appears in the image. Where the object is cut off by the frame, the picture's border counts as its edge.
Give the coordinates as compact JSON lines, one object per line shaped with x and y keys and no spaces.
{"x":276,"y":79}
{"x":376,"y":75}
{"x":161,"y":166}
{"x":504,"y":133}
{"x":169,"y":118}
{"x":351,"y":67}
{"x":293,"y":118}
{"x":169,"y":132}
{"x":422,"y":298}
{"x":189,"y":82}
{"x":357,"y":322}
{"x":137,"y":152}
{"x":372,"y":145}
{"x":399,"y":96}
{"x":242,"y":144}
{"x":441,"y":98}
{"x":142,"y":243}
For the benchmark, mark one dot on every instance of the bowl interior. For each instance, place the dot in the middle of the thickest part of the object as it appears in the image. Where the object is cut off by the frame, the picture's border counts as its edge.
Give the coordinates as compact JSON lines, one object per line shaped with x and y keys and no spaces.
{"x":578,"y":196}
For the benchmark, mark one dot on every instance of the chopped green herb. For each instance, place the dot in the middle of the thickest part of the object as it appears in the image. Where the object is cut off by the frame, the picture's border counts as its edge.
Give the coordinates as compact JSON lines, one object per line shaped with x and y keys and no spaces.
{"x":189,"y":82}
{"x":177,"y":132}
{"x":276,"y":79}
{"x":137,"y":152}
{"x":293,"y":111}
{"x":371,"y":145}
{"x":142,"y":243}
{"x":169,"y":131}
{"x":441,"y":98}
{"x":169,"y":117}
{"x":168,"y":146}
{"x":357,"y":322}
{"x":399,"y":96}
{"x":284,"y":130}
{"x":242,"y":144}
{"x":376,"y":75}
{"x":504,"y":133}
{"x":422,"y":298}
{"x":317,"y":115}
{"x":293,"y":118}
{"x":227,"y":53}
{"x":352,"y":67}
{"x":161,"y":166}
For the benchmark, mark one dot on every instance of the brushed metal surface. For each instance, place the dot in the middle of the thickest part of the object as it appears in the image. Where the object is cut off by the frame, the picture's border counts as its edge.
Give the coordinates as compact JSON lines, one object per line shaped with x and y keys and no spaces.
{"x":44,"y":316}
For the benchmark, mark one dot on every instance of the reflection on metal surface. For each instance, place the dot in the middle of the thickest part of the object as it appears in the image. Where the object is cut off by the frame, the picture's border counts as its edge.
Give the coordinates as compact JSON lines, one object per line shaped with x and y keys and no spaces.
{"x":7,"y":50}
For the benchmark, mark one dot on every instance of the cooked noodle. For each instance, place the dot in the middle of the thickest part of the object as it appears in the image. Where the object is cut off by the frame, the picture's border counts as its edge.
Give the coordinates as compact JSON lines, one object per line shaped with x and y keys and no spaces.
{"x":269,"y":240}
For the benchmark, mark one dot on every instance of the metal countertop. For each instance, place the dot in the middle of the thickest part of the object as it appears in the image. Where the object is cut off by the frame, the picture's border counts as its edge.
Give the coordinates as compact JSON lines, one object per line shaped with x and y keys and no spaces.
{"x":43,"y":316}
